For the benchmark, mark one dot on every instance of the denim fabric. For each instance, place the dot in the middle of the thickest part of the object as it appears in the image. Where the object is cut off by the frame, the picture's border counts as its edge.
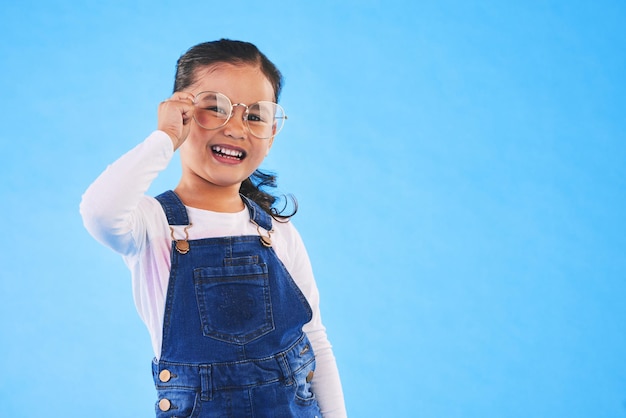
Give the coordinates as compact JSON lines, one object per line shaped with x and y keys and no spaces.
{"x":233,"y":344}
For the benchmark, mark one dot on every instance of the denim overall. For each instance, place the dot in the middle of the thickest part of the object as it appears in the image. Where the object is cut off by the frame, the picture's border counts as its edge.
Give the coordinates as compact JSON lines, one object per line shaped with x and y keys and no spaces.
{"x":233,"y":344}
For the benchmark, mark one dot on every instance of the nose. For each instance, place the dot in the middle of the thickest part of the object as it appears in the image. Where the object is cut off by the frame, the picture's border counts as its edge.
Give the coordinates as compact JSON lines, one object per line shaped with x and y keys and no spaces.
{"x":236,"y":127}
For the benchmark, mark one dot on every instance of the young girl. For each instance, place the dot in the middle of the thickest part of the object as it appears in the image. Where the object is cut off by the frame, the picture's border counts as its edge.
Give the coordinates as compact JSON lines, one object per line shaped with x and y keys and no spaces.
{"x":220,"y":277}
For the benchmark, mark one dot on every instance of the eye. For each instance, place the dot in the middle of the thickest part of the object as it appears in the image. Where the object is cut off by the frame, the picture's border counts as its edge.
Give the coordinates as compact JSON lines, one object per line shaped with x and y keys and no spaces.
{"x":214,"y":104}
{"x":217,"y":109}
{"x":254,"y":118}
{"x":260,"y":113}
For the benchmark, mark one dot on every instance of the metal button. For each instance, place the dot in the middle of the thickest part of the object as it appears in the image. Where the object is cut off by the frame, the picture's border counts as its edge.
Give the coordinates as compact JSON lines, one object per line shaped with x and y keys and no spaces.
{"x":309,"y":376}
{"x":165,"y":404}
{"x":165,"y":376}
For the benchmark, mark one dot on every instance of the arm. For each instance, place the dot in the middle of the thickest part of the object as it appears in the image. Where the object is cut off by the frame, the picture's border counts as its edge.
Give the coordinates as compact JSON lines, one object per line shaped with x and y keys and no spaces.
{"x":110,"y":205}
{"x":326,"y":384}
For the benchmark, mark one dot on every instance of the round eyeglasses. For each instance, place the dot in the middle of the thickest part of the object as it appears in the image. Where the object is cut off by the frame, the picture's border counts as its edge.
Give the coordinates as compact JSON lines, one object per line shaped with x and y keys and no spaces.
{"x":263,"y":119}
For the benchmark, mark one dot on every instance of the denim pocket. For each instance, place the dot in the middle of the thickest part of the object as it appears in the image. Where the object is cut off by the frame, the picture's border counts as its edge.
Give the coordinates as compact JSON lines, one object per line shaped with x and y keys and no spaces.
{"x":234,"y":302}
{"x":303,"y":378}
{"x":177,"y":403}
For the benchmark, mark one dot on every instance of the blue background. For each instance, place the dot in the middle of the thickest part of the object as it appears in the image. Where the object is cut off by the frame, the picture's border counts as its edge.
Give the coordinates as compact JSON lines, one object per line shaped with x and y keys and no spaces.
{"x":460,"y":168}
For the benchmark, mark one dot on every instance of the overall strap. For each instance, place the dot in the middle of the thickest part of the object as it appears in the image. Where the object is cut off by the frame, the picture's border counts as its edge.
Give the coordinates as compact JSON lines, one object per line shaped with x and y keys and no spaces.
{"x":174,"y":208}
{"x":258,"y":215}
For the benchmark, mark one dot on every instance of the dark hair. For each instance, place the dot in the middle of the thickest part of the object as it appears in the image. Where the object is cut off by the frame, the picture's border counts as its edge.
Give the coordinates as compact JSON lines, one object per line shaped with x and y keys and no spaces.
{"x":237,"y":53}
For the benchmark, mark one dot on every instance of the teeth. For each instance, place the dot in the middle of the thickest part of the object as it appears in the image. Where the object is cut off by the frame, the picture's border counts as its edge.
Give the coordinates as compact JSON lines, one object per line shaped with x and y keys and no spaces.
{"x":227,"y":151}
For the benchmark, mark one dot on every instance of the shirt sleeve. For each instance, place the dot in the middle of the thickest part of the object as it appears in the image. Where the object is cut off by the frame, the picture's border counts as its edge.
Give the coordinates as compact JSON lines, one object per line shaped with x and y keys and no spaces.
{"x":109,"y":207}
{"x":326,"y":383}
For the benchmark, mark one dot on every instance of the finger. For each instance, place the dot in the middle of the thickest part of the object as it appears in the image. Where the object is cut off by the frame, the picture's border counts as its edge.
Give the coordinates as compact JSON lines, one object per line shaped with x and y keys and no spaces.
{"x":184,"y":102}
{"x":182,"y":96}
{"x":182,"y":105}
{"x":187,"y":115}
{"x":174,"y":117}
{"x":187,"y":118}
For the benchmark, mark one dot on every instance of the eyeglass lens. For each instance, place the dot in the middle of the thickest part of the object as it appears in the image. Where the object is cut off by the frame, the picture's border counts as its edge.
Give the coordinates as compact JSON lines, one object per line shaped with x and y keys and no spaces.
{"x":263,"y":119}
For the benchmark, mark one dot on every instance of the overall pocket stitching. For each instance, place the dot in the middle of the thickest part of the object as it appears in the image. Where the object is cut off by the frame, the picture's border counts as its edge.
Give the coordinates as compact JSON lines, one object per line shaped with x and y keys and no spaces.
{"x":234,"y":302}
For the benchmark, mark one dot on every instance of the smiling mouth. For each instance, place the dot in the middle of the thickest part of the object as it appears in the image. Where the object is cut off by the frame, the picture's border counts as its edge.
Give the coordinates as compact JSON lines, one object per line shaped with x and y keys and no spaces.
{"x":228,"y":153}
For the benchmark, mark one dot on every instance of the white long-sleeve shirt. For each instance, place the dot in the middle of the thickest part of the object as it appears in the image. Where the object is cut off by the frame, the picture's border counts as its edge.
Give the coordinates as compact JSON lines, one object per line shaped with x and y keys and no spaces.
{"x":117,"y":212}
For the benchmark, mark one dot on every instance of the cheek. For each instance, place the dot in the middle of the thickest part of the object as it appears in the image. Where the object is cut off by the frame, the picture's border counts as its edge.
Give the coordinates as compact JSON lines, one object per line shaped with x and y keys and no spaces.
{"x":191,"y":152}
{"x":261,"y":152}
{"x":268,"y":146}
{"x":194,"y":143}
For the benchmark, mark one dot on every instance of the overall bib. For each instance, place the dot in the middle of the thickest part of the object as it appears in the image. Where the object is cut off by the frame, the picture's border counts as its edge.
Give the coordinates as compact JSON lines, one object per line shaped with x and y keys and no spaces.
{"x":233,"y":344}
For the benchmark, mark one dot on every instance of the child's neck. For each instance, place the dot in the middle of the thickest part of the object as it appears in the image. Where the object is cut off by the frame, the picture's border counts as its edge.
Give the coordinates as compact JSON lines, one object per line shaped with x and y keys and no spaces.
{"x":211,"y":197}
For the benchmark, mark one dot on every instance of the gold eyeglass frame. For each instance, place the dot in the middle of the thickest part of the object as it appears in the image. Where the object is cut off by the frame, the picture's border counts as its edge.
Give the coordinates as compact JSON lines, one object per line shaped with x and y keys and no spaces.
{"x":245,"y":113}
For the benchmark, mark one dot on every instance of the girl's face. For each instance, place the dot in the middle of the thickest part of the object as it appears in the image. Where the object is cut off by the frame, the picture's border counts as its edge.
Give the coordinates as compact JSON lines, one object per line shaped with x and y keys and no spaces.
{"x":228,"y":155}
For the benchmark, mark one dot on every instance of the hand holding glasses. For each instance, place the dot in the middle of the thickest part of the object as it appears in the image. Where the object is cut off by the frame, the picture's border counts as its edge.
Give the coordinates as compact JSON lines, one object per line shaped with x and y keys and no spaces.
{"x":263,"y":119}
